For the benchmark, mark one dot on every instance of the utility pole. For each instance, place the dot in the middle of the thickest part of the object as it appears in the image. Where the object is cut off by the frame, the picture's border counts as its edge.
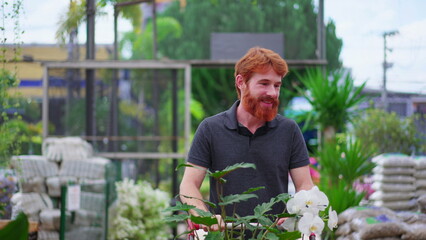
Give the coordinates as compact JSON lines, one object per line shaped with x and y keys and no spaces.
{"x":386,"y":65}
{"x":321,"y":51}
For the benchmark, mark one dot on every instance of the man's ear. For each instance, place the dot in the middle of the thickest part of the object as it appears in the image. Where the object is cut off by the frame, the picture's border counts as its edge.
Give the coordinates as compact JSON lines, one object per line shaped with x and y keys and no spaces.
{"x":239,"y":81}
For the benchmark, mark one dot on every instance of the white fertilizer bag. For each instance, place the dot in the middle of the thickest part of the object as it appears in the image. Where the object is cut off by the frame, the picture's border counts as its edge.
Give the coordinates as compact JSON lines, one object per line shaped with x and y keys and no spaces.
{"x":66,"y":149}
{"x":394,"y":160}
{"x":29,"y":166}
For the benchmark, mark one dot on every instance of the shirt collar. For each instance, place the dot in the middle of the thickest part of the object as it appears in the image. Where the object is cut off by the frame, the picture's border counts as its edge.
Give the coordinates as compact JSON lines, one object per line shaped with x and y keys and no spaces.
{"x":231,"y":118}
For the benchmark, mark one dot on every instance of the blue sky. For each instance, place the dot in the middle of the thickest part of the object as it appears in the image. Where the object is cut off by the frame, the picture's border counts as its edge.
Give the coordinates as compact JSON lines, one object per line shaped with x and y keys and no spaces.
{"x":360,"y":23}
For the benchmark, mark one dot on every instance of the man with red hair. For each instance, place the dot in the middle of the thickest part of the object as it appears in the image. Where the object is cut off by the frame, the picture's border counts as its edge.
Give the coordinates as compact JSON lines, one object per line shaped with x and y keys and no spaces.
{"x":251,"y":131}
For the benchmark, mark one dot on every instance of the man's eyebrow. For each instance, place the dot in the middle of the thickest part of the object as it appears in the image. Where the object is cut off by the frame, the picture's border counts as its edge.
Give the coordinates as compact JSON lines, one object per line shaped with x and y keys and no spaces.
{"x":269,"y":80}
{"x":266,"y":79}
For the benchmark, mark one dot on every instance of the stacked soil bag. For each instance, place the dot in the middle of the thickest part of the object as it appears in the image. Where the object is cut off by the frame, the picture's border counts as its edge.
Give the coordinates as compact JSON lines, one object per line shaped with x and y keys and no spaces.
{"x":380,"y":223}
{"x":64,"y":161}
{"x":394,"y":182}
{"x":420,"y":175}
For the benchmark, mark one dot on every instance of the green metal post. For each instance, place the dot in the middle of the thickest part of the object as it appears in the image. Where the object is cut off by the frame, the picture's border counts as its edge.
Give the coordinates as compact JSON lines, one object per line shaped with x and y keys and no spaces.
{"x":107,"y":185}
{"x":63,"y":212}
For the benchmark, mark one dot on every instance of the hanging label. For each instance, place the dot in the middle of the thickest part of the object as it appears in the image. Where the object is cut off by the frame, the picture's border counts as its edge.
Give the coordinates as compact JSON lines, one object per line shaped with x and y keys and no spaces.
{"x":73,"y":198}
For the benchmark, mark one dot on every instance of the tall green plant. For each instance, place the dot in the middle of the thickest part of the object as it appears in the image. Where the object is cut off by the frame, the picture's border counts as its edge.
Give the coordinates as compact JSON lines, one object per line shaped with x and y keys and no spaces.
{"x":333,"y":96}
{"x":344,"y":162}
{"x":341,"y":163}
{"x":10,"y":13}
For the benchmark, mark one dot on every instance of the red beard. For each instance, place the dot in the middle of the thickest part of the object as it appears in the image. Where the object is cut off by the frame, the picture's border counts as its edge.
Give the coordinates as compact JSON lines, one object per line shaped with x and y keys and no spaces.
{"x":253,"y":106}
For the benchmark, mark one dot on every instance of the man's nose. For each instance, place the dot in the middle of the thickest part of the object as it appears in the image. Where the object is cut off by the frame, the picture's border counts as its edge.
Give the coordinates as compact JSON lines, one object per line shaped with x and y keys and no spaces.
{"x":272,"y":91}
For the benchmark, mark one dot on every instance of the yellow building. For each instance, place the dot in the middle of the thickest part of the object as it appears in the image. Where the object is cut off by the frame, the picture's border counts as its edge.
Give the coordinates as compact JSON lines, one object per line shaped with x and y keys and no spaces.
{"x":29,"y":68}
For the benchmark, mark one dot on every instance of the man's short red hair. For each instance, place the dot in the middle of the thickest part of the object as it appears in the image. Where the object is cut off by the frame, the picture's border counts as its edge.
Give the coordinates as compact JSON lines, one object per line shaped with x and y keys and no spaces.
{"x":259,"y":60}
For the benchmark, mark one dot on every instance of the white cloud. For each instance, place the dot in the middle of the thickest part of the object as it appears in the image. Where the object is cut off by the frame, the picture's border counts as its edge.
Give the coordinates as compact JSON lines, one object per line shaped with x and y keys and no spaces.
{"x":41,"y":20}
{"x":361,"y":25}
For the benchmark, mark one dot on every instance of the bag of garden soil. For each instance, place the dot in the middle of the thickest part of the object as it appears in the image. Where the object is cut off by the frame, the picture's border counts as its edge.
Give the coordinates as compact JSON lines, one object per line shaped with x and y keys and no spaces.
{"x":377,"y":227}
{"x":365,"y":211}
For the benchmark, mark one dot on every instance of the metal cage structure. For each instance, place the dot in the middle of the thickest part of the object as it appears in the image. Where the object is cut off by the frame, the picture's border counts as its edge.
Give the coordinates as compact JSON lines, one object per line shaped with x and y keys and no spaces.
{"x":116,"y":65}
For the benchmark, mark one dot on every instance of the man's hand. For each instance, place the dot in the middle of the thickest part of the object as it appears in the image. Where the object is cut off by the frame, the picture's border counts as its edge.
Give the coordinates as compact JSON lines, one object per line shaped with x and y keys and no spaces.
{"x":216,"y":227}
{"x":281,"y":221}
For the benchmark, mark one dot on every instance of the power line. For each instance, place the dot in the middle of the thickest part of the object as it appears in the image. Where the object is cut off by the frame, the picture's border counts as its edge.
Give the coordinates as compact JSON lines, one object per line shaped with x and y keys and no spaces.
{"x":410,"y":47}
{"x":410,"y":82}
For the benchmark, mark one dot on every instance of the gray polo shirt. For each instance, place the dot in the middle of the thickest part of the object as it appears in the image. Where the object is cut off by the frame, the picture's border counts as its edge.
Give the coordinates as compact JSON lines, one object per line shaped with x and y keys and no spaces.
{"x":274,"y":148}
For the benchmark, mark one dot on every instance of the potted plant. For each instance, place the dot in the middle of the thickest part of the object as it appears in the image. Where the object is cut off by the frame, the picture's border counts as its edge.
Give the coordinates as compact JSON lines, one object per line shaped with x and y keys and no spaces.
{"x":306,"y":212}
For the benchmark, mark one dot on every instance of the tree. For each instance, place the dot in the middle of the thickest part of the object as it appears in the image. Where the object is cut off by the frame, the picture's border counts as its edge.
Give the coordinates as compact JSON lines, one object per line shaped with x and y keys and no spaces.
{"x":201,"y":18}
{"x":333,"y":47}
{"x":142,"y":42}
{"x":295,"y":18}
{"x":71,"y":20}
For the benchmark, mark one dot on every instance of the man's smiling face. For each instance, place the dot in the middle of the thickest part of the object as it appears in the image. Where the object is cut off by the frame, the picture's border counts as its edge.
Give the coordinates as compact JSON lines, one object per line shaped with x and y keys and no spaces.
{"x":260,"y":94}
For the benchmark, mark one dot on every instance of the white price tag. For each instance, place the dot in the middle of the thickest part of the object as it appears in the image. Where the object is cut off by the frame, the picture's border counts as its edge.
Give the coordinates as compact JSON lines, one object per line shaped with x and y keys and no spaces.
{"x":73,"y":197}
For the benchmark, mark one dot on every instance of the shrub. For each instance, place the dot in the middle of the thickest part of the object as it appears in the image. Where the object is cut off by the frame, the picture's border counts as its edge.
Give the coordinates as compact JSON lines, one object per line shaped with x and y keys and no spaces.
{"x":139,"y":214}
{"x":387,"y":132}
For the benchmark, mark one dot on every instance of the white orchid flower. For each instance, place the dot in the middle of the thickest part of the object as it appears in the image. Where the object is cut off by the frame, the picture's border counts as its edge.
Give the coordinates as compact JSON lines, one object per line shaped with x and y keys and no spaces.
{"x":311,"y":201}
{"x":320,"y":199}
{"x":332,"y":219}
{"x":310,"y":223}
{"x":290,"y":224}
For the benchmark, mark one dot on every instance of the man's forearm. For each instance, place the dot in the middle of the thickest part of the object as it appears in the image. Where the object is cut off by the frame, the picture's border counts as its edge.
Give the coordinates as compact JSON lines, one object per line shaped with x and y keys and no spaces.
{"x":191,"y":195}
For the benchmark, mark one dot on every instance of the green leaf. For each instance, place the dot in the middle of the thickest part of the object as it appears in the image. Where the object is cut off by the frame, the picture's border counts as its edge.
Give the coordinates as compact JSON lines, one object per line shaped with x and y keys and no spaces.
{"x":214,"y":236}
{"x":205,"y":201}
{"x":212,"y":205}
{"x":208,"y":221}
{"x":236,"y":198}
{"x":264,"y":221}
{"x":179,"y":207}
{"x":261,"y":209}
{"x":188,"y":165}
{"x":272,"y":236}
{"x":283,"y":197}
{"x":229,"y":169}
{"x":285,"y":215}
{"x":183,"y":165}
{"x":16,"y":230}
{"x":177,"y":218}
{"x":289,"y":235}
{"x":203,"y":213}
{"x":229,"y":219}
{"x":253,"y":190}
